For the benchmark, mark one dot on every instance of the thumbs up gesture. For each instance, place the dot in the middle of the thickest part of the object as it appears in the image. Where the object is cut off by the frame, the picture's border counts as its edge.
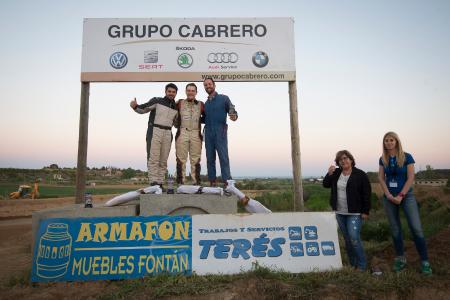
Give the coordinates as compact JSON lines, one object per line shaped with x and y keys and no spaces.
{"x":133,"y":103}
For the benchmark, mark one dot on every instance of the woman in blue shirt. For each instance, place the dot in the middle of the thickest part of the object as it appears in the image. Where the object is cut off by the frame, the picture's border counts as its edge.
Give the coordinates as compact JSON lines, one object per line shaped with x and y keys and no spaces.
{"x":396,"y":176}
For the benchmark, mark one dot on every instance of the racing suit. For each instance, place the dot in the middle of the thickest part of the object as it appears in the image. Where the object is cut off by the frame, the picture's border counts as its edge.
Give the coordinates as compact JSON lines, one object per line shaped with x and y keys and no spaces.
{"x":189,"y":139}
{"x":159,"y":135}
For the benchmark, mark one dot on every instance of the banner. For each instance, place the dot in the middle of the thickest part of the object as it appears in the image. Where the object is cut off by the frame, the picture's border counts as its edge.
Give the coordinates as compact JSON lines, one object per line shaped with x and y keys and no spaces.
{"x":158,"y":49}
{"x":130,"y":247}
{"x":112,"y":248}
{"x":293,"y":242}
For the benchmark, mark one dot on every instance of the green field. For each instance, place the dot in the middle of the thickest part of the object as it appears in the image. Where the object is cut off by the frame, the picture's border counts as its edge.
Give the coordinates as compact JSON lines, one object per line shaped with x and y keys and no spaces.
{"x":315,"y":196}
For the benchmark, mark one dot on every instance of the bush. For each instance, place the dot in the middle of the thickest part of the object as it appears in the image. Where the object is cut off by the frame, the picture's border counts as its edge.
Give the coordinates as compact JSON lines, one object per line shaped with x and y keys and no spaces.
{"x":377,"y":231}
{"x":128,"y":173}
{"x":375,"y":202}
{"x":283,"y":201}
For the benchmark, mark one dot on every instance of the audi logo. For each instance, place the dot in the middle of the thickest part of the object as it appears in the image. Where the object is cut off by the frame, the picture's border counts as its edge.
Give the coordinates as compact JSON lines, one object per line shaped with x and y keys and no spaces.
{"x":225,"y":58}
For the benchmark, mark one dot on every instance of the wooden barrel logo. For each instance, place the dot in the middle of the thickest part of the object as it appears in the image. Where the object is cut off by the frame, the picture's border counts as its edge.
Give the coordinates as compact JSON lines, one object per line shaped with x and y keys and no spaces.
{"x":54,"y":251}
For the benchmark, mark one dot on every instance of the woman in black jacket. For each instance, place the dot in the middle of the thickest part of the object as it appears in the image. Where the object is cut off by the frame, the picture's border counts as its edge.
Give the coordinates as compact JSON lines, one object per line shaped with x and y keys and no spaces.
{"x":350,"y":199}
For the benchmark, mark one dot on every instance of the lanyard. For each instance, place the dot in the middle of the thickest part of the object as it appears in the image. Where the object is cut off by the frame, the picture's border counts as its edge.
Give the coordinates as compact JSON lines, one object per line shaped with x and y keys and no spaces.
{"x":392,"y":167}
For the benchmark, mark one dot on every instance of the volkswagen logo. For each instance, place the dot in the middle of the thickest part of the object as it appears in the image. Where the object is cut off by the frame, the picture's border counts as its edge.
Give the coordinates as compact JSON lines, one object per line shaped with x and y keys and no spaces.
{"x":118,"y":60}
{"x":260,"y":59}
{"x":185,"y":60}
{"x":224,"y":58}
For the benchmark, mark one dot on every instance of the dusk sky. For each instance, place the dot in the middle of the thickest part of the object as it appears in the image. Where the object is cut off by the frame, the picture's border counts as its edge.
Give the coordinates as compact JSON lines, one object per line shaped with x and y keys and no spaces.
{"x":363,"y":68}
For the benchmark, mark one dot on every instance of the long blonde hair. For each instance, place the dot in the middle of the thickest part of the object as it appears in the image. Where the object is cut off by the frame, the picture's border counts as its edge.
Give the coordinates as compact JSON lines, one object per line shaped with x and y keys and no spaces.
{"x":398,"y":146}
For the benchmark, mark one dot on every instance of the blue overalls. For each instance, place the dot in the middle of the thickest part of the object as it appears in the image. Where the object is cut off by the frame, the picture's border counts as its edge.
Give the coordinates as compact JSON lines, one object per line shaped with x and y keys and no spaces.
{"x":216,"y":110}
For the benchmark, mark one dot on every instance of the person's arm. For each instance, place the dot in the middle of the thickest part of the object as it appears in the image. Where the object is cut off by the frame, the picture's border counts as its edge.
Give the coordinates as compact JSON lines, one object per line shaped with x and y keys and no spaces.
{"x":145,"y":107}
{"x":228,"y":106}
{"x":326,"y":183}
{"x":202,"y":113}
{"x":177,"y":119}
{"x":366,"y":192}
{"x":383,"y":185}
{"x":408,"y":183}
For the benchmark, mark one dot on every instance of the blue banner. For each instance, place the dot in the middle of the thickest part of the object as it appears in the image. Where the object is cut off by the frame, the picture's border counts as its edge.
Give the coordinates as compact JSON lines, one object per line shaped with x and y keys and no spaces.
{"x":112,"y":248}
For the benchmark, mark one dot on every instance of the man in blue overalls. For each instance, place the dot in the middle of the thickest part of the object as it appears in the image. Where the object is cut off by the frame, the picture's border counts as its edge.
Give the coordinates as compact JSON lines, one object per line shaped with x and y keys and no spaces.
{"x":216,"y":109}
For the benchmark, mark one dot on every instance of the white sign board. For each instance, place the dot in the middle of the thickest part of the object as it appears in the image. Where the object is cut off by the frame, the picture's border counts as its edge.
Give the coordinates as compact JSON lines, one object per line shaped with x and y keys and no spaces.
{"x":293,"y":242}
{"x":157,"y":49}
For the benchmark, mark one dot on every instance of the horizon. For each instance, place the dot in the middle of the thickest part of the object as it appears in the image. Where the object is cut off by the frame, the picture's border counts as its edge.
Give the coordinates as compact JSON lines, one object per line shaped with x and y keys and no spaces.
{"x":362,"y":69}
{"x":250,"y":176}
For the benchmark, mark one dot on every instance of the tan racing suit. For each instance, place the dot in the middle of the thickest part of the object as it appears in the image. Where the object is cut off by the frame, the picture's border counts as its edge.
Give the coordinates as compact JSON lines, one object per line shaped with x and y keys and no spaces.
{"x":163,"y":113}
{"x":189,"y":138}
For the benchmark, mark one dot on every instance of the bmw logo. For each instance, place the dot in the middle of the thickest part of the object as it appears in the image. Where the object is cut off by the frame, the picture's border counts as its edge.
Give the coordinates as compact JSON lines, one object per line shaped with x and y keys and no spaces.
{"x":260,"y":59}
{"x":118,"y":60}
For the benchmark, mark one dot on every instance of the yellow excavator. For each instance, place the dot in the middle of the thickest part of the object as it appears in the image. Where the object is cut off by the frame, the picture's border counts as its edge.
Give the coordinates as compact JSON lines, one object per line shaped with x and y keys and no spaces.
{"x":26,"y":192}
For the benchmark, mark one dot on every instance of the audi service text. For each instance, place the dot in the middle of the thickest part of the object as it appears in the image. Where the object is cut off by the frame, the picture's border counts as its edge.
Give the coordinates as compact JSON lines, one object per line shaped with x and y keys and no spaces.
{"x":185,"y":31}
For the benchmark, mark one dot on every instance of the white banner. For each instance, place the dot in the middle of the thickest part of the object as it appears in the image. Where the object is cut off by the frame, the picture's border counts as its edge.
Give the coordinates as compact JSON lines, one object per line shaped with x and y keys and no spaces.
{"x":227,"y":49}
{"x":293,"y":242}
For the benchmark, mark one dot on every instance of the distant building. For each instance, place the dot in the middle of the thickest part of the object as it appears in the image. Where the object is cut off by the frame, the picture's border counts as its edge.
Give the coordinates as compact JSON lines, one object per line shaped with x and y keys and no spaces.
{"x":431,"y":182}
{"x":315,"y":180}
{"x":139,"y":179}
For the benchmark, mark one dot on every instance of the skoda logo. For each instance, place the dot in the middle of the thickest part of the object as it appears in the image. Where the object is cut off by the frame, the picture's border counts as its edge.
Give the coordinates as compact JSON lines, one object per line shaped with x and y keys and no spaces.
{"x":185,"y":60}
{"x":118,"y":60}
{"x":223,"y":57}
{"x":260,"y":59}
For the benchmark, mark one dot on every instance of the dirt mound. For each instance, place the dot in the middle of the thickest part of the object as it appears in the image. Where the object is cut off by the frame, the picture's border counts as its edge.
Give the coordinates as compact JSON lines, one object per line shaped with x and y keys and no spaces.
{"x":25,"y":207}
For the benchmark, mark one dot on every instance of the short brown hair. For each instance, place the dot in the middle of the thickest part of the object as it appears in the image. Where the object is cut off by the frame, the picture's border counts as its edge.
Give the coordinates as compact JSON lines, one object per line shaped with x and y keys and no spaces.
{"x":171,"y":86}
{"x":191,"y":84}
{"x":210,"y":78}
{"x":342,"y":153}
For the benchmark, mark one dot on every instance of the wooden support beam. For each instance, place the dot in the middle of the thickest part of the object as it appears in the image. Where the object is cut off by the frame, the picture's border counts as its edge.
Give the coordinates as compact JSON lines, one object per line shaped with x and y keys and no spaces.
{"x":295,"y":148}
{"x":82,"y":143}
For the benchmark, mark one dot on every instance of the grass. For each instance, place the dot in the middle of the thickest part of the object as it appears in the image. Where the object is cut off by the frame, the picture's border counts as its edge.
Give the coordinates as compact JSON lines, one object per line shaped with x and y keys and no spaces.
{"x":434,"y":215}
{"x":22,"y":279}
{"x":316,"y":198}
{"x":268,"y":284}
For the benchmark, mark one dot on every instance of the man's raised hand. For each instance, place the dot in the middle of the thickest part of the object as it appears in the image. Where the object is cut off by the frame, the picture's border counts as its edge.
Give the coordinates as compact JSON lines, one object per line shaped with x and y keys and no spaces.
{"x":133,"y":103}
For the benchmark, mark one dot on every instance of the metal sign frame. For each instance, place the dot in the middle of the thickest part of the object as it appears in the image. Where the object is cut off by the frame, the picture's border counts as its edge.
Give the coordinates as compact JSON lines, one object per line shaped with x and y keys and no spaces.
{"x":84,"y":122}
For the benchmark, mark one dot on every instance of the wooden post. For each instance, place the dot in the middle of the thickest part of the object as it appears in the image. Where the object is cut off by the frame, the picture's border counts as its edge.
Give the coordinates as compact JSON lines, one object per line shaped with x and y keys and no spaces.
{"x":82,"y":143}
{"x":295,"y":148}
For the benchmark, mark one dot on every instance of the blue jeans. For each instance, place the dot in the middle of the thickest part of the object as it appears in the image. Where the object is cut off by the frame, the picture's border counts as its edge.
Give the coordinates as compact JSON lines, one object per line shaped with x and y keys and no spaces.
{"x":216,"y":140}
{"x":350,"y":226}
{"x":409,"y":206}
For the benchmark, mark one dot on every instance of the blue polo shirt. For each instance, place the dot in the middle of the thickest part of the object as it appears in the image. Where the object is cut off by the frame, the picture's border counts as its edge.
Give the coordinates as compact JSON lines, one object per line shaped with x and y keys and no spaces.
{"x":216,"y":110}
{"x":395,"y":176}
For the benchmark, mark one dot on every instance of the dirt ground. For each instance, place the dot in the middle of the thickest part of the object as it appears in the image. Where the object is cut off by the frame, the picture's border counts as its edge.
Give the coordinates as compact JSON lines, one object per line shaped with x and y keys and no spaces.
{"x":15,"y":259}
